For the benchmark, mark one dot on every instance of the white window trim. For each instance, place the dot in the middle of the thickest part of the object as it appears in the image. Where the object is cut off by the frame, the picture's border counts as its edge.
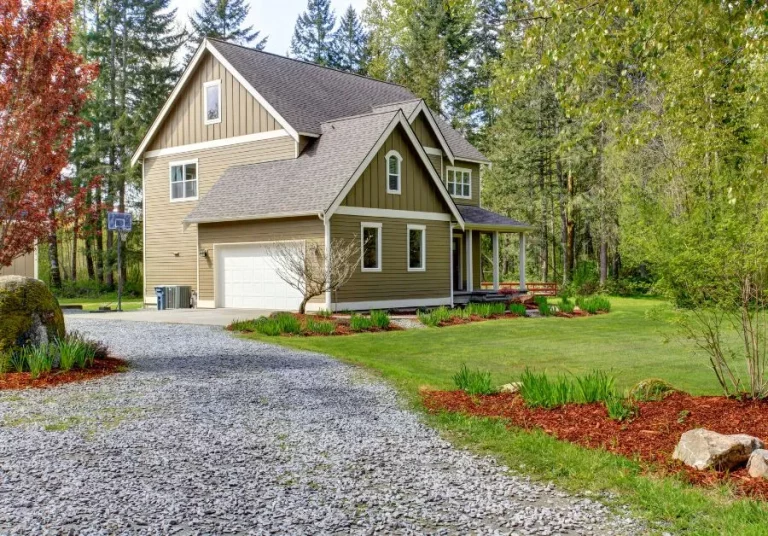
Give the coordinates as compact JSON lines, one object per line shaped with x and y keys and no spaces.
{"x":370,"y":225}
{"x":399,"y":171}
{"x":212,"y":83}
{"x":423,"y":229}
{"x":171,"y":165}
{"x":448,"y":169}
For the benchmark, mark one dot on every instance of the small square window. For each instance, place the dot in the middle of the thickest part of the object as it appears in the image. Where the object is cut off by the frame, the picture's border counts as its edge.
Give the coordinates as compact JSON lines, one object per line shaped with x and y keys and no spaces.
{"x":212,"y":95}
{"x":184,"y":181}
{"x":370,"y":244}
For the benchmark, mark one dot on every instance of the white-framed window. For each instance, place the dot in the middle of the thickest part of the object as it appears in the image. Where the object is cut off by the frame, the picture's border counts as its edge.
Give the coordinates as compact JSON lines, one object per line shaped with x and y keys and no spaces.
{"x":212,"y":102}
{"x":183,"y":180}
{"x":370,"y":245}
{"x":459,"y":182}
{"x":394,"y":172}
{"x":417,"y":248}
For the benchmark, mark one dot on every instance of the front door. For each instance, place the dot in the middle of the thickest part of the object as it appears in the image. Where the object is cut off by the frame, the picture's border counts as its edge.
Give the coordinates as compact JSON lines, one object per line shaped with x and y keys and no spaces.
{"x":457,"y":264}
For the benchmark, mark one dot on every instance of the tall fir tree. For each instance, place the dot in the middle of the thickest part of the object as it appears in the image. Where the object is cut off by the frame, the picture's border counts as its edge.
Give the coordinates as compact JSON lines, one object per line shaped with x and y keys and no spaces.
{"x":313,"y":36}
{"x":223,"y":19}
{"x":352,"y":43}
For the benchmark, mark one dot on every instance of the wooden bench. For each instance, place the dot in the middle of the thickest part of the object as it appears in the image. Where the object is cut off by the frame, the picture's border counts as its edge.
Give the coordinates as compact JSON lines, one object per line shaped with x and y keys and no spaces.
{"x":537,"y":288}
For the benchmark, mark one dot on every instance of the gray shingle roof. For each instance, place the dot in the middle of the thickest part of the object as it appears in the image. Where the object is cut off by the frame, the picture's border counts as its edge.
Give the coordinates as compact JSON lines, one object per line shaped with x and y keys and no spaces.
{"x":308,"y":184}
{"x":478,"y":217}
{"x":307,"y":95}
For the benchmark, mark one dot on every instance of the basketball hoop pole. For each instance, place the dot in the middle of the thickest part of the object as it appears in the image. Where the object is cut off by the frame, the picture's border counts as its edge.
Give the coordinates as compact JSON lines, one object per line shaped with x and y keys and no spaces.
{"x":119,"y":271}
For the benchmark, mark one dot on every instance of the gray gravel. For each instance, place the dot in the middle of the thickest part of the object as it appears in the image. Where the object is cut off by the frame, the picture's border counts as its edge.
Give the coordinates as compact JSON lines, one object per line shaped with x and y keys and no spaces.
{"x":208,"y":434}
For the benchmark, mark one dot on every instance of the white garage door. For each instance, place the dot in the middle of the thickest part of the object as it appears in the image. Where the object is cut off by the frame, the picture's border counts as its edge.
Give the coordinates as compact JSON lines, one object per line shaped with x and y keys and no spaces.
{"x":247,"y":279}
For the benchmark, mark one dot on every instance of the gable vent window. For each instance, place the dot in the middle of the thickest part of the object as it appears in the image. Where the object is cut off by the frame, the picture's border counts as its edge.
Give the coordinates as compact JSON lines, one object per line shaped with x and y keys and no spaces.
{"x":212,"y":95}
{"x":459,"y":182}
{"x":184,"y":181}
{"x":394,"y":172}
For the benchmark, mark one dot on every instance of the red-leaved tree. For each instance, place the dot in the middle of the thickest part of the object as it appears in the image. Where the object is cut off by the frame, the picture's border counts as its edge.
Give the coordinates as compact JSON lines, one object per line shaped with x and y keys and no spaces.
{"x":43,"y":86}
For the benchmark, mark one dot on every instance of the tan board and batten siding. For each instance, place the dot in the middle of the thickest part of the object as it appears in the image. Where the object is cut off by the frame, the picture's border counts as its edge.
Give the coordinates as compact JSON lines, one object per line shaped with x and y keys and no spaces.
{"x":23,"y":266}
{"x":241,"y":113}
{"x":418,"y":192}
{"x":228,"y":233}
{"x":394,"y":281}
{"x":172,"y":254}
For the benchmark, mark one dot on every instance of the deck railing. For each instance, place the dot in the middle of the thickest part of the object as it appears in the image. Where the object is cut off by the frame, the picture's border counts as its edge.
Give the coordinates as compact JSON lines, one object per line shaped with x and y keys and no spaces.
{"x":537,"y":288}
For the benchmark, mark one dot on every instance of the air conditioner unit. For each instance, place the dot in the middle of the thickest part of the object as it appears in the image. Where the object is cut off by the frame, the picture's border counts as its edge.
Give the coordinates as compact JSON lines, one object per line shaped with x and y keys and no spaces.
{"x":177,"y":297}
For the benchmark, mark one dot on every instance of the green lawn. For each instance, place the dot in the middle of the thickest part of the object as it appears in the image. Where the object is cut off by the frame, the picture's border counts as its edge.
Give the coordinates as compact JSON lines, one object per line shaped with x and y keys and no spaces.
{"x":91,"y":304}
{"x":630,"y":342}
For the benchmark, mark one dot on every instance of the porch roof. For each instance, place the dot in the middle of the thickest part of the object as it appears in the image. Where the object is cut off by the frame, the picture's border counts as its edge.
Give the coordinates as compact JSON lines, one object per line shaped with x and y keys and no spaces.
{"x":484,"y":220}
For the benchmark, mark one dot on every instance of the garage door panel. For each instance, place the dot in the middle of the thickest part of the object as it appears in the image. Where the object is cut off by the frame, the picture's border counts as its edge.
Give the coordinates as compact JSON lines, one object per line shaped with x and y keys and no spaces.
{"x":248,"y":279}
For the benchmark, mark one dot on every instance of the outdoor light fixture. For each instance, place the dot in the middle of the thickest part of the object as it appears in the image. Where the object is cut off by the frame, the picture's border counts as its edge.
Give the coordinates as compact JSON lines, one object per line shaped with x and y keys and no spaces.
{"x":203,"y":253}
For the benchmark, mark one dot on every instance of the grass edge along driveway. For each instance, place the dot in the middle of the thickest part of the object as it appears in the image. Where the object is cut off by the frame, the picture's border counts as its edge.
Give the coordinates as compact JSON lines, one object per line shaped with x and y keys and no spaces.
{"x":630,"y":342}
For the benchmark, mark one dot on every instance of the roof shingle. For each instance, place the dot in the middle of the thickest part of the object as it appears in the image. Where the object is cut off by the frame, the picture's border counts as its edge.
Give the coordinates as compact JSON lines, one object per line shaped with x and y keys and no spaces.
{"x":478,"y":217}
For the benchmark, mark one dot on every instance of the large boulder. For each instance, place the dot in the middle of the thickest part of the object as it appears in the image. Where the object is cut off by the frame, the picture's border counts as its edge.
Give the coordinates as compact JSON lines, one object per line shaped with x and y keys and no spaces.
{"x":30,"y":313}
{"x":704,"y":449}
{"x":757,"y":466}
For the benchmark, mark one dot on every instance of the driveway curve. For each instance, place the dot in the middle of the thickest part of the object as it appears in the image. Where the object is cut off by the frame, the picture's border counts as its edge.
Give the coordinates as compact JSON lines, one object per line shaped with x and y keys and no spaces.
{"x":209,"y":434}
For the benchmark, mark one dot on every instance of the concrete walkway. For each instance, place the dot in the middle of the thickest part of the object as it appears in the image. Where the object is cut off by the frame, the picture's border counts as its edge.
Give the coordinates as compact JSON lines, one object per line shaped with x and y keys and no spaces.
{"x":202,"y":317}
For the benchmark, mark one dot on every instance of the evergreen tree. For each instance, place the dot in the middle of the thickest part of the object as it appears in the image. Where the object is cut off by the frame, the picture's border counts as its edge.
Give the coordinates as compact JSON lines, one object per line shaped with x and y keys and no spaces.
{"x":313,"y":36}
{"x":352,"y":43}
{"x":223,"y":19}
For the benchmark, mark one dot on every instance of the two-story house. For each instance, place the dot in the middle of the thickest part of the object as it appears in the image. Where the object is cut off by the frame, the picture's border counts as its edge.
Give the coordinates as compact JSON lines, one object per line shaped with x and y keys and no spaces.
{"x":253,"y":148}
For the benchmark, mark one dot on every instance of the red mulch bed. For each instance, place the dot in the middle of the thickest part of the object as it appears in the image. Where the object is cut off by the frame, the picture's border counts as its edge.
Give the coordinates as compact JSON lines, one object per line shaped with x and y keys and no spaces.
{"x":650,"y":437}
{"x":23,"y":380}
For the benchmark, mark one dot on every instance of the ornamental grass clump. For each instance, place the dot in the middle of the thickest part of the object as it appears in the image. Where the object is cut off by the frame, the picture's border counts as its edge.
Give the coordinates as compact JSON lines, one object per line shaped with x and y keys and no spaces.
{"x":593,"y":304}
{"x":538,"y":390}
{"x":619,"y":408}
{"x":597,"y":386}
{"x":380,"y":319}
{"x":543,"y":305}
{"x":359,"y":323}
{"x":435,"y":317}
{"x":265,"y":326}
{"x":566,"y":305}
{"x":324,"y":313}
{"x":473,"y":382}
{"x":287,"y":323}
{"x":517,"y":309}
{"x":38,"y":359}
{"x":319,"y":327}
{"x":74,"y":351}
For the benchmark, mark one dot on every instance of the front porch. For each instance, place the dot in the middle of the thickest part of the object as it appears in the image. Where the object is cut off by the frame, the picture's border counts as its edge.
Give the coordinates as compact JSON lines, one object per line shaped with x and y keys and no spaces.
{"x":467,"y":259}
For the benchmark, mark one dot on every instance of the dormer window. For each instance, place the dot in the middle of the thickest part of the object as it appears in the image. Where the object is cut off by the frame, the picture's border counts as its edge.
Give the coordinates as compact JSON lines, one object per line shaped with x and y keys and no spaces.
{"x":394,"y":172}
{"x":459,"y":182}
{"x":212,"y":107}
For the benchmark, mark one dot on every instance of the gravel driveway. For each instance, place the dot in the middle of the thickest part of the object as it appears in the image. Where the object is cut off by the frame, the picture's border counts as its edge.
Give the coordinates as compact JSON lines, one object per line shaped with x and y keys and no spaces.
{"x":208,"y":434}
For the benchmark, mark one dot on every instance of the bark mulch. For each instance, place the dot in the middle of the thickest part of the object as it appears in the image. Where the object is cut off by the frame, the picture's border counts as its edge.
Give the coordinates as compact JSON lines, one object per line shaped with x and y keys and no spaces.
{"x":650,"y":437}
{"x":23,"y":380}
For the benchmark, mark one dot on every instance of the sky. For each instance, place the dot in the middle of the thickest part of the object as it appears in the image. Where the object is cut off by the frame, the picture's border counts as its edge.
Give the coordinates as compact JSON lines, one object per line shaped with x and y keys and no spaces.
{"x":274,"y":18}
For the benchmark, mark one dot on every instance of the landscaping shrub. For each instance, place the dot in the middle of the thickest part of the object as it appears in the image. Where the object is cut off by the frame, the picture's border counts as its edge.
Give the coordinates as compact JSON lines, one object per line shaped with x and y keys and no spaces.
{"x":585,"y":278}
{"x":620,"y":409}
{"x":359,"y":323}
{"x":38,"y":359}
{"x":75,"y":352}
{"x":566,"y":305}
{"x":380,"y":319}
{"x":265,"y":326}
{"x":543,"y":305}
{"x":538,"y":390}
{"x":320,"y":327}
{"x":98,"y":349}
{"x":434,"y":317}
{"x":517,"y":309}
{"x":484,"y":310}
{"x":651,"y":390}
{"x":593,"y":304}
{"x":287,"y":323}
{"x":473,"y":382}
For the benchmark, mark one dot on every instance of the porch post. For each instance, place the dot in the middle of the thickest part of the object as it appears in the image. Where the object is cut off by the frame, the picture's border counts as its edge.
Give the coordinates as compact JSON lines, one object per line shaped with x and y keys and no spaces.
{"x":496,"y":261}
{"x":468,"y":255}
{"x":523,"y":288}
{"x":328,"y":261}
{"x":450,"y":256}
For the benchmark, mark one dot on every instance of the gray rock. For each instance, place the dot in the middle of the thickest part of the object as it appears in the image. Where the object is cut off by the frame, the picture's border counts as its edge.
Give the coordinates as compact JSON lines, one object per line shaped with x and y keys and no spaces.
{"x":510,"y":388}
{"x":704,"y":449}
{"x":30,"y":313}
{"x":757,"y":465}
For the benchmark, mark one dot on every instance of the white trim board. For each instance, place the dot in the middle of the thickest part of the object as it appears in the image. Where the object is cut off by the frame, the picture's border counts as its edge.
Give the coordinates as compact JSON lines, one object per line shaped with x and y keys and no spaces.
{"x":391,"y":213}
{"x":224,"y":142}
{"x":206,"y":45}
{"x":391,"y":304}
{"x":398,"y":119}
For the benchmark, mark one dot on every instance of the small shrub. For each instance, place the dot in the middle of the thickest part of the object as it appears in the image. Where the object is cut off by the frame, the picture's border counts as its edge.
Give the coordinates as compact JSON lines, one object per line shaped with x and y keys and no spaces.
{"x":359,"y":323}
{"x":321,"y":328}
{"x":593,"y":304}
{"x":324,"y":313}
{"x":566,"y":305}
{"x":380,"y":319}
{"x":287,"y":323}
{"x":620,"y":409}
{"x":651,"y":390}
{"x":242,"y":325}
{"x":434,"y":317}
{"x":39,"y":359}
{"x":473,"y":382}
{"x":545,"y":309}
{"x":517,"y":309}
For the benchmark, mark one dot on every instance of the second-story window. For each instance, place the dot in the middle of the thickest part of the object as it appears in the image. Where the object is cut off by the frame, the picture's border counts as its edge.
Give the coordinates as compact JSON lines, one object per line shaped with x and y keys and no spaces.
{"x":212,"y":96}
{"x":394,"y":172}
{"x":459,"y":182}
{"x":184,"y":180}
